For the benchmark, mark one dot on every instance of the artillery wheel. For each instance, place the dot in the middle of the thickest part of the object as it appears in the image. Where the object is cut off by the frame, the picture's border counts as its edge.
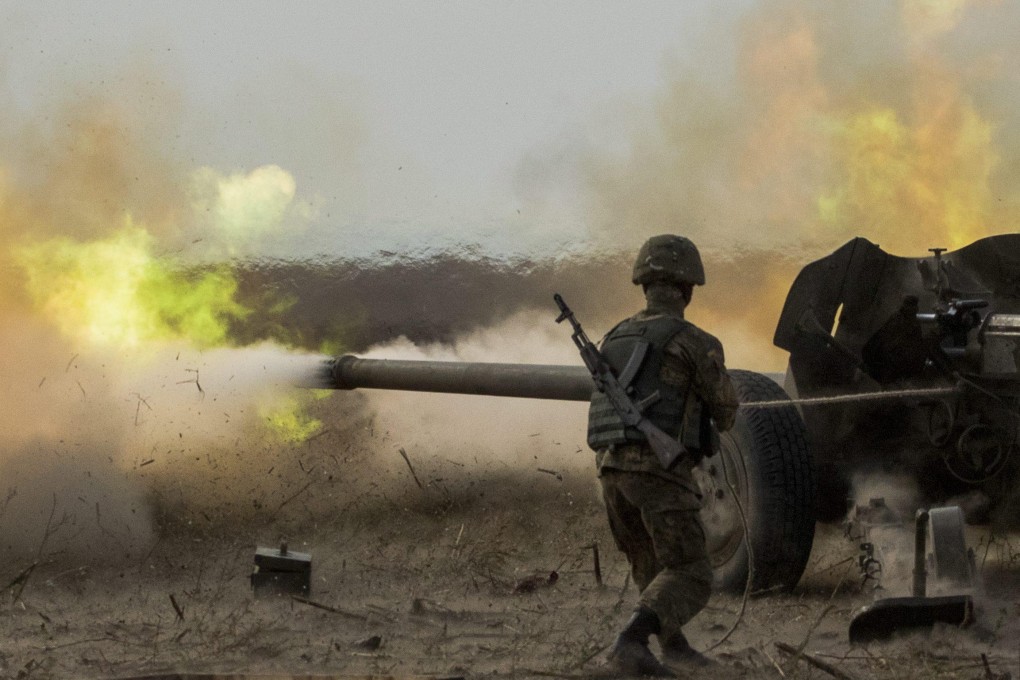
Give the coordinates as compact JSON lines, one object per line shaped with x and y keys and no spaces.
{"x":950,"y":560}
{"x":764,"y":458}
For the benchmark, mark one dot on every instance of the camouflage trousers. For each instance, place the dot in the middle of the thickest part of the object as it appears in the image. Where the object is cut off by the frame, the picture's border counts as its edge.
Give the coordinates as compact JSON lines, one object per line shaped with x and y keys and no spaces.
{"x":655,"y":524}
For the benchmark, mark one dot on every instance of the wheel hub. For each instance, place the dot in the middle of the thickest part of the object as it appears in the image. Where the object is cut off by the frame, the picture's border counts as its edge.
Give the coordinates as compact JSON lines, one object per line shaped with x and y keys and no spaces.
{"x":718,"y":478}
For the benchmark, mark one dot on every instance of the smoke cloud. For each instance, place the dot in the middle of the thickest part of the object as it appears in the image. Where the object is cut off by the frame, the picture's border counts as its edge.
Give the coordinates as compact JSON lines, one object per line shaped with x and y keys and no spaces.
{"x":501,"y":432}
{"x":887,"y":120}
{"x":121,"y":360}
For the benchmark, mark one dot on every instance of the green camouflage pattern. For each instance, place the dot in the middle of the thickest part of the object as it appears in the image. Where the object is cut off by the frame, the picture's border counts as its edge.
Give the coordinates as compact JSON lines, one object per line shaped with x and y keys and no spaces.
{"x":655,"y":523}
{"x":653,"y":513}
{"x":694,"y":360}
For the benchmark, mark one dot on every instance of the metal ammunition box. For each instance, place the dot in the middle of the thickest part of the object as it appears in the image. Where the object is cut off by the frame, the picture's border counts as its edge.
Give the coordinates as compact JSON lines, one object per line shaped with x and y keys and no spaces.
{"x":281,"y":572}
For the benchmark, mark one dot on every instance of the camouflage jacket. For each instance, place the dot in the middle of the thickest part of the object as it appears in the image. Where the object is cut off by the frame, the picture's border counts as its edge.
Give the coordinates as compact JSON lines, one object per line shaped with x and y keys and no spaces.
{"x":694,"y":359}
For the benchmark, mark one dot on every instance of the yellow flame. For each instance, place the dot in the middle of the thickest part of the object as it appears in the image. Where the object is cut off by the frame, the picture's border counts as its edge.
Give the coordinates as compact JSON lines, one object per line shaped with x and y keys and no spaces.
{"x":114,"y":292}
{"x":288,"y":422}
{"x":914,"y":186}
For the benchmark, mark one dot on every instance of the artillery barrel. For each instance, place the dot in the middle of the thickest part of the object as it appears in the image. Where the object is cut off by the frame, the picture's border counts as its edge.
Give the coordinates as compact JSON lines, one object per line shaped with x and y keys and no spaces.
{"x":530,"y":381}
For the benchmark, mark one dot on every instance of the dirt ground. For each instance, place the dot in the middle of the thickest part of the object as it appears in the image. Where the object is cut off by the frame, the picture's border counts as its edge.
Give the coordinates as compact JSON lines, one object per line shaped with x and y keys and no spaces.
{"x":443,"y":572}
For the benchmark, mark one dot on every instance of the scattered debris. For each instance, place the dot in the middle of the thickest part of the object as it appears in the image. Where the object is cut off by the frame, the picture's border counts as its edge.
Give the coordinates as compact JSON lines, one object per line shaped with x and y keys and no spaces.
{"x":532,"y":583}
{"x":435,"y":610}
{"x":20,"y":580}
{"x":370,"y":643}
{"x":831,"y":669}
{"x":597,"y":563}
{"x":410,"y":467}
{"x":139,"y":404}
{"x":989,"y":674}
{"x":555,"y":474}
{"x":328,"y":608}
{"x":177,"y":607}
{"x":193,"y":380}
{"x":295,"y":495}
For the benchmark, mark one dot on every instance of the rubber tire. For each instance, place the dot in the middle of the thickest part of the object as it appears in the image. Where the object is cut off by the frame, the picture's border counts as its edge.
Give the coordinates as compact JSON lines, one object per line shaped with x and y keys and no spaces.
{"x":778,"y":496}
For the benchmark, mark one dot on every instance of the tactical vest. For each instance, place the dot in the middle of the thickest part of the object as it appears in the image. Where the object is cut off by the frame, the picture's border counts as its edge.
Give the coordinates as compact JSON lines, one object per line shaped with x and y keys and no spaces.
{"x":634,"y":350}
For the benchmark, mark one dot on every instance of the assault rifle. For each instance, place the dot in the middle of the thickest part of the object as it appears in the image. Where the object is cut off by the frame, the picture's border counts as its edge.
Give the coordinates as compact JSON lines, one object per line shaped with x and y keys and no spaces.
{"x":667,"y":449}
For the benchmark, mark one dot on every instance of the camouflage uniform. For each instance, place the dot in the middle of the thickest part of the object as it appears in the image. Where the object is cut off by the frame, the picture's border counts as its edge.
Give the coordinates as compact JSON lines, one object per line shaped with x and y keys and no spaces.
{"x":653,"y":513}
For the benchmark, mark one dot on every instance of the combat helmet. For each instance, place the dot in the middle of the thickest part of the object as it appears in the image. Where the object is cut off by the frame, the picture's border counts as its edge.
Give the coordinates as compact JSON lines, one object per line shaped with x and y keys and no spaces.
{"x":668,"y":258}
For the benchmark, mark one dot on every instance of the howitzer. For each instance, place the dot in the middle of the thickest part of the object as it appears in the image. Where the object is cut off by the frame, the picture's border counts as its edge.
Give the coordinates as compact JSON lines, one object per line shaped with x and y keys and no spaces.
{"x":904,"y":327}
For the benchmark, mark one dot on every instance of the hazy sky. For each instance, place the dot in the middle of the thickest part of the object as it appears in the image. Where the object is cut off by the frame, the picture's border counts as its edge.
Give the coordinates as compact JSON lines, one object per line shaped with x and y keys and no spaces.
{"x":350,"y":128}
{"x":402,"y":123}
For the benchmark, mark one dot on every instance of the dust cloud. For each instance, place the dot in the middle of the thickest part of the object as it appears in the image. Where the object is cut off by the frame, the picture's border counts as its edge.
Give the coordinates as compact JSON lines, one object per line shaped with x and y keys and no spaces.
{"x":898,"y":491}
{"x":121,"y":362}
{"x":90,"y":437}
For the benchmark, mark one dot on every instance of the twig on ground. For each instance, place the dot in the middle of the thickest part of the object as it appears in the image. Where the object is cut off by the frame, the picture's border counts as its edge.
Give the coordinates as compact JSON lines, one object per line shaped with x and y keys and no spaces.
{"x":829,"y":668}
{"x":989,"y":674}
{"x":11,"y":494}
{"x":427,"y":609}
{"x":177,"y":607}
{"x":46,"y":531}
{"x":323,"y":431}
{"x":299,"y":492}
{"x":20,"y":579}
{"x":105,"y":638}
{"x":597,"y":563}
{"x":411,"y":467}
{"x":773,"y":662}
{"x":817,"y":572}
{"x":798,"y":652}
{"x":591,"y":655}
{"x":382,"y":613}
{"x":553,"y":674}
{"x":807,"y":637}
{"x":332,"y":610}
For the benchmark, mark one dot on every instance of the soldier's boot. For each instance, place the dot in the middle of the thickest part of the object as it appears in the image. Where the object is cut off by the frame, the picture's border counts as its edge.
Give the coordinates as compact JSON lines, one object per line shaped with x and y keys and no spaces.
{"x":630,"y":655}
{"x":676,"y":651}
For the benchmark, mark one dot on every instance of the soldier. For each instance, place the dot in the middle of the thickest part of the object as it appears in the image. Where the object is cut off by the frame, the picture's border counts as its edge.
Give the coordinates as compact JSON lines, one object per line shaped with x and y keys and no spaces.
{"x":653,"y":512}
